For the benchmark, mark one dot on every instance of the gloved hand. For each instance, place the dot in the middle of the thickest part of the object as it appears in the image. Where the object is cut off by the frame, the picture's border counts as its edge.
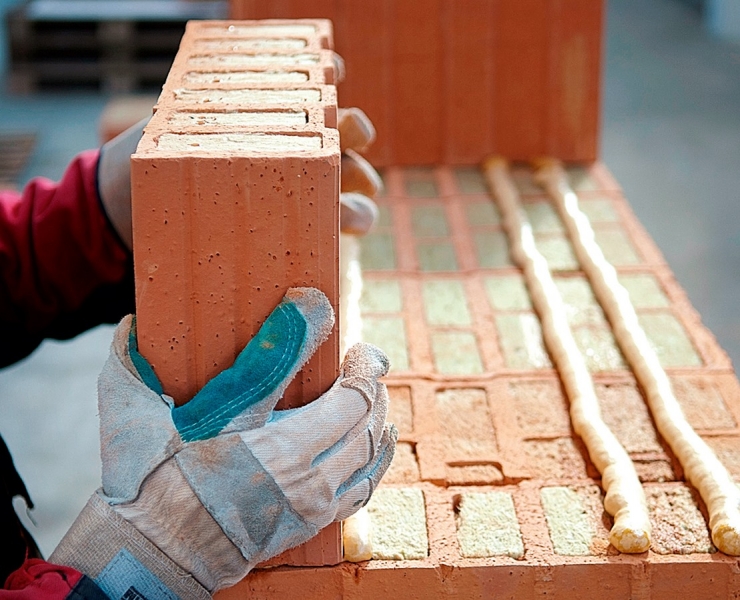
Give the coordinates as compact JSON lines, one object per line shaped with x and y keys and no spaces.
{"x":225,"y":481}
{"x":360,"y":182}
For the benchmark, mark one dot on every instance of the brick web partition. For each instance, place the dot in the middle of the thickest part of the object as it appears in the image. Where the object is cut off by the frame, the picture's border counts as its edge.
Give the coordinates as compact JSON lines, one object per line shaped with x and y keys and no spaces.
{"x":235,"y":199}
{"x":495,"y":494}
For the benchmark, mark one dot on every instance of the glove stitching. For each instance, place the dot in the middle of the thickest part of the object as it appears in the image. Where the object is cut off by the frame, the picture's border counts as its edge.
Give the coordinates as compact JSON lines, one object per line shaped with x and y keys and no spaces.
{"x":199,"y":427}
{"x":139,"y":540}
{"x":358,"y":429}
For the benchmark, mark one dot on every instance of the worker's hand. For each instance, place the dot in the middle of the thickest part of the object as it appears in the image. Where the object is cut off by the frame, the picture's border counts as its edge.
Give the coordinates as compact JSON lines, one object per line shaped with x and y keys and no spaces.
{"x":225,"y":481}
{"x":114,"y":179}
{"x":360,"y":181}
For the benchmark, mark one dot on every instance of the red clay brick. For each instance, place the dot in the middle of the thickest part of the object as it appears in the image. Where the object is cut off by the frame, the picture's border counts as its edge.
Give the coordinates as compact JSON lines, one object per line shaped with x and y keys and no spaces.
{"x":224,"y":224}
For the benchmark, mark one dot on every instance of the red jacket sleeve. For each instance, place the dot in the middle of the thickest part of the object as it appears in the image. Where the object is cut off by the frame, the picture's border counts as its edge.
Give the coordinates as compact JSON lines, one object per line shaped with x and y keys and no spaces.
{"x":57,"y":252}
{"x":40,"y":580}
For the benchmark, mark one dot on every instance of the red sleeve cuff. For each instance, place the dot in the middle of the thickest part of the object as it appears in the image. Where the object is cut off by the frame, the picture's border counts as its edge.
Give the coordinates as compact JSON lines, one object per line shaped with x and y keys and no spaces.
{"x":40,"y":580}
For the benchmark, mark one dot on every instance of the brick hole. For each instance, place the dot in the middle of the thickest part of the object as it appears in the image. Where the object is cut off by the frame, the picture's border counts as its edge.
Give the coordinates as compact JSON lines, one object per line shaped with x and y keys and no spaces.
{"x":541,"y":409}
{"x":521,"y":342}
{"x":645,"y":290}
{"x":404,"y":468}
{"x":543,"y":217}
{"x":561,"y":459}
{"x":470,"y":180}
{"x":465,"y":421}
{"x":420,"y":182}
{"x":466,"y":359}
{"x":400,"y":410}
{"x":482,"y":214}
{"x":617,"y":246}
{"x":598,"y":210}
{"x":625,"y":412}
{"x":576,"y":520}
{"x":669,"y":339}
{"x":679,"y":519}
{"x":487,"y":525}
{"x":557,"y":250}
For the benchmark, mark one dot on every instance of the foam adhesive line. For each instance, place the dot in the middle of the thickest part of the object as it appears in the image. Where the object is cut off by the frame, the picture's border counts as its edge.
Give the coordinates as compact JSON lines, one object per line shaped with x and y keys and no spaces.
{"x":625,"y":498}
{"x":701,"y":466}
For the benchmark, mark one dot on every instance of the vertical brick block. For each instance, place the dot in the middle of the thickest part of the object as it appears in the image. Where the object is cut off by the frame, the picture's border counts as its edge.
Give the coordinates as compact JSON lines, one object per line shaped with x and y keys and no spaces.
{"x":520,"y":71}
{"x":417,"y":81}
{"x":574,"y":90}
{"x":365,"y":42}
{"x":468,"y":80}
{"x":229,"y":212}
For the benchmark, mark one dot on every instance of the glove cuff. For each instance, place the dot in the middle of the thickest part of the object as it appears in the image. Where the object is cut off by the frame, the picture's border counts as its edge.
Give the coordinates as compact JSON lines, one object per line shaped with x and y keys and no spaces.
{"x":105,"y":547}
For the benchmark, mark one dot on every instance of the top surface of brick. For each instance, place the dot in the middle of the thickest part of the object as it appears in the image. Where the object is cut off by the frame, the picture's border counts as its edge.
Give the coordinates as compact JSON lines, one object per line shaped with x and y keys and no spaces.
{"x":246,"y":88}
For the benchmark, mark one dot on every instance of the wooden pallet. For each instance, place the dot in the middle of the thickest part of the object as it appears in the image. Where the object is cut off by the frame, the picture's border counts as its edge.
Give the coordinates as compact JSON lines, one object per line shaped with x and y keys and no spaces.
{"x":116,"y":47}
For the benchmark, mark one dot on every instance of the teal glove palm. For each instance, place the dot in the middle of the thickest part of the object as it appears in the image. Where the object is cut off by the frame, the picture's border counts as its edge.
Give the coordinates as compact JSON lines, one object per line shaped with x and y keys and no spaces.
{"x":225,"y":481}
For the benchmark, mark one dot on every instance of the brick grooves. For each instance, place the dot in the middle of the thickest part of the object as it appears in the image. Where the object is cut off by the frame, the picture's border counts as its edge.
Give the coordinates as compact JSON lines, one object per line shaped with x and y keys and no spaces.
{"x":482,"y":416}
{"x":235,"y":199}
{"x":415,"y":69}
{"x":113,"y":48}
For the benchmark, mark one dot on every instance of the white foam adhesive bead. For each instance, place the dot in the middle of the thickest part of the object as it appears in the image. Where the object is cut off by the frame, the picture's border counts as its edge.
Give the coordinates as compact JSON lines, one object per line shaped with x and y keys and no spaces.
{"x":700,"y":464}
{"x":625,"y":498}
{"x":357,"y":536}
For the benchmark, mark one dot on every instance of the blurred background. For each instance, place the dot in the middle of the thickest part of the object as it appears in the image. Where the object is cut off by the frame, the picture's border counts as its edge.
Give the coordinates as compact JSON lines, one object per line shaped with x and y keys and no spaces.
{"x":670,"y":135}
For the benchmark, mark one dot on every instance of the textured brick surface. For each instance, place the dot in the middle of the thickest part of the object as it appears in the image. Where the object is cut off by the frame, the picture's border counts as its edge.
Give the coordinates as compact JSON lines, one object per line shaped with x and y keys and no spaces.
{"x":453,"y":82}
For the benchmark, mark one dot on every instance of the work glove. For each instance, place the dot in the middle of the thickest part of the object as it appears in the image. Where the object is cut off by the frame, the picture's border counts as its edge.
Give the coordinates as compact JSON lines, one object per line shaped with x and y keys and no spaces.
{"x":360,"y":182}
{"x":195,"y":496}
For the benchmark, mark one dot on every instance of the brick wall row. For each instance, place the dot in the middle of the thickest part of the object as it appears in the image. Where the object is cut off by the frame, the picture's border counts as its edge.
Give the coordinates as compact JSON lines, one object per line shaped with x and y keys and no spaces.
{"x":452,"y":82}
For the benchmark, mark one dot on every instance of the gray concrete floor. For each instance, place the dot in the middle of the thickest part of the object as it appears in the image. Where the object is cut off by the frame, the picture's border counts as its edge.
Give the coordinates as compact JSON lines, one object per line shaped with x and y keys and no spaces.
{"x":671,"y":135}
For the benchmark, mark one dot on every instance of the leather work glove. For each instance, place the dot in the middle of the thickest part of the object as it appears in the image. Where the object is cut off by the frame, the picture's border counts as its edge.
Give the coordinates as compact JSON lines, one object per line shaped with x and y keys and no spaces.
{"x":195,"y":496}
